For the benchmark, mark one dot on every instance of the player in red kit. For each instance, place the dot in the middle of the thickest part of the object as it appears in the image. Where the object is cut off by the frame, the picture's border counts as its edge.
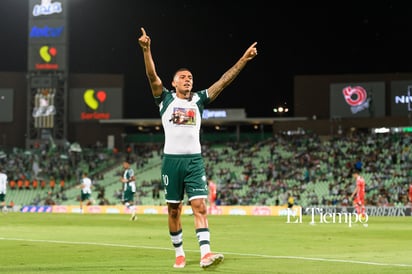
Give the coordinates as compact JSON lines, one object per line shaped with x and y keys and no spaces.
{"x":410,"y":194}
{"x":212,"y":194}
{"x":359,"y":193}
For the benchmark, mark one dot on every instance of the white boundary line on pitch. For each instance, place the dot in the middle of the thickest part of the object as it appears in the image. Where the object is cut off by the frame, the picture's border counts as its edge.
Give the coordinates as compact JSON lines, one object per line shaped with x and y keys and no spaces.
{"x":231,"y":253}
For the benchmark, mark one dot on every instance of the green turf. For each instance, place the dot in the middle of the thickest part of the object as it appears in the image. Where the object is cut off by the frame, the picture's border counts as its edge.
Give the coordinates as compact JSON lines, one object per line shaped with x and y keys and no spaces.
{"x":88,"y":243}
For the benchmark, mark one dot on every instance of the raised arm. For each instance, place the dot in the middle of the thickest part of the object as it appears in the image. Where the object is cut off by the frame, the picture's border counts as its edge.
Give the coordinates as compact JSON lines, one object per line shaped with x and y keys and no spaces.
{"x":154,"y":80}
{"x":215,"y":89}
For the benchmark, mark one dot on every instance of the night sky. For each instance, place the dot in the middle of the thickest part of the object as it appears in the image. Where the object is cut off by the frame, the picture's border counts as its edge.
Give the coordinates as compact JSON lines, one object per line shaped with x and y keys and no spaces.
{"x":208,"y":37}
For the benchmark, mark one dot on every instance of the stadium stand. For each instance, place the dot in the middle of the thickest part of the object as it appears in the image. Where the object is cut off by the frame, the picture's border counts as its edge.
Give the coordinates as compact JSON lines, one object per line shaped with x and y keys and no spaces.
{"x":313,"y":169}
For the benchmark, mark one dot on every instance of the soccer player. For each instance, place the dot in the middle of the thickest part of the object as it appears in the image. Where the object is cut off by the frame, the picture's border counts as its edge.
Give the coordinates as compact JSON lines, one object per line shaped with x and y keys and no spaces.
{"x":212,"y":193}
{"x":3,"y":189}
{"x":129,"y":189}
{"x":85,"y":191}
{"x":183,"y":168}
{"x":359,"y":193}
{"x":212,"y":188}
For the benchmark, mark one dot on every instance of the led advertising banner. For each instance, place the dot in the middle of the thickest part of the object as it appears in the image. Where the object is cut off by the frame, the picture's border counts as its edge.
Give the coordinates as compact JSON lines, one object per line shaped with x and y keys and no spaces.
{"x":47,"y":35}
{"x":43,"y":109}
{"x":47,"y":31}
{"x":401,"y":98}
{"x":47,"y":57}
{"x":93,"y":104}
{"x":47,"y":9}
{"x":229,"y":113}
{"x":357,"y":100}
{"x":6,"y":105}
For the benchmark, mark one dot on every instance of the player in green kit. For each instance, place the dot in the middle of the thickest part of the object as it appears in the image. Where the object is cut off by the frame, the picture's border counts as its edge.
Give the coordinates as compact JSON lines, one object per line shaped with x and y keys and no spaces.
{"x":183,"y":169}
{"x":3,"y":189}
{"x":85,"y":191}
{"x":129,"y":189}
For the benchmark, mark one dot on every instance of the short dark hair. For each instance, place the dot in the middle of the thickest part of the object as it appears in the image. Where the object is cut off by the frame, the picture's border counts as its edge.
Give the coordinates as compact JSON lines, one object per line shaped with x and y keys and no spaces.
{"x":181,"y":69}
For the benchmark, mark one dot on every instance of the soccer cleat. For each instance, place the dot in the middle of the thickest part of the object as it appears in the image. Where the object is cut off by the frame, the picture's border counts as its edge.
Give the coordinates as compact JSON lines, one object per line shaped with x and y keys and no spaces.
{"x":180,"y":262}
{"x":211,"y":259}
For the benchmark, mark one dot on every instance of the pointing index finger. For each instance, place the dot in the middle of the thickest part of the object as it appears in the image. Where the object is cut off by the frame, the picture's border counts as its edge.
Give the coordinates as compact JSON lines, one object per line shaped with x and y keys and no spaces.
{"x":143,"y":31}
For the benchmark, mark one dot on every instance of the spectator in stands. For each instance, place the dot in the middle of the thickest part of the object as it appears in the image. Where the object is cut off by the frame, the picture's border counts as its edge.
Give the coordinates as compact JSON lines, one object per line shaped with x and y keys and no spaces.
{"x":283,"y":197}
{"x":52,"y":183}
{"x":183,"y":166}
{"x":20,"y":183}
{"x":104,"y":201}
{"x":26,"y":183}
{"x":382,"y":200}
{"x":156,"y":190}
{"x":62,"y":183}
{"x":118,"y":193}
{"x":49,"y":199}
{"x":63,"y":196}
{"x":42,"y":184}
{"x":12,"y":184}
{"x":101,"y":193}
{"x":36,"y":200}
{"x":345,"y":201}
{"x":35,"y":183}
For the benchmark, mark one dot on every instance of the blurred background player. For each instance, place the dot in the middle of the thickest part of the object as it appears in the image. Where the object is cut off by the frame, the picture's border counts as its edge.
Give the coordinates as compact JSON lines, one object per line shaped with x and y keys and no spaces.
{"x":212,"y":194}
{"x":3,"y":189}
{"x":410,"y":194}
{"x":359,"y":192}
{"x":129,"y":189}
{"x":85,"y":191}
{"x":291,"y":200}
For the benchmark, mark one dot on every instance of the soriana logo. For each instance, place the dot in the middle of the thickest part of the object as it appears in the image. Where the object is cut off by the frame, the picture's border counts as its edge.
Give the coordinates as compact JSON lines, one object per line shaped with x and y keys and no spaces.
{"x":94,"y":101}
{"x":48,"y":55}
{"x":356,"y":97}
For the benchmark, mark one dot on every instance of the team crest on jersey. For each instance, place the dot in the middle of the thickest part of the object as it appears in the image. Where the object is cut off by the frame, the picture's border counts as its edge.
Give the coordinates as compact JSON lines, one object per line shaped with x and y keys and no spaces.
{"x":183,"y":116}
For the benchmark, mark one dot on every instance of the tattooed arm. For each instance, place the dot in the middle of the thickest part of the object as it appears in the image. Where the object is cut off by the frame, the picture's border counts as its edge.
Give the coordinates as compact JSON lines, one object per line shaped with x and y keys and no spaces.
{"x":215,"y":89}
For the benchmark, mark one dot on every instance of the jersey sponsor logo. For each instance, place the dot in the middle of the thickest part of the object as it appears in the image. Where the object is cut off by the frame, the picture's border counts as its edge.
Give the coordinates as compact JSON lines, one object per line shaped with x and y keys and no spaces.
{"x":183,"y":116}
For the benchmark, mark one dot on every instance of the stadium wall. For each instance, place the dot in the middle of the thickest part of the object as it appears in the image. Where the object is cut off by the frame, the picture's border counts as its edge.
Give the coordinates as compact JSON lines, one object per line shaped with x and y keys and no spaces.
{"x":312,"y":92}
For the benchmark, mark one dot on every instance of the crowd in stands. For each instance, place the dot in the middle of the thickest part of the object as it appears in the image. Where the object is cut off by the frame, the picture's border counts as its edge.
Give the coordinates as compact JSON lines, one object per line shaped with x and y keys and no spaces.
{"x":311,"y":169}
{"x":296,"y":165}
{"x":50,"y":169}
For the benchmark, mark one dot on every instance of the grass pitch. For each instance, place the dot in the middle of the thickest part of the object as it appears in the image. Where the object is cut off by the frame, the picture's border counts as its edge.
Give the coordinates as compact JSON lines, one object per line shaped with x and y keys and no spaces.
{"x":110,"y":243}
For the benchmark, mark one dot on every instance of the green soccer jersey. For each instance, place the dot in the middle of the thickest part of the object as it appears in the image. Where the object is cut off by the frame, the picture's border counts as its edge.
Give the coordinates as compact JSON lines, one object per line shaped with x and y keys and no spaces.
{"x":181,"y":120}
